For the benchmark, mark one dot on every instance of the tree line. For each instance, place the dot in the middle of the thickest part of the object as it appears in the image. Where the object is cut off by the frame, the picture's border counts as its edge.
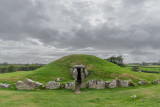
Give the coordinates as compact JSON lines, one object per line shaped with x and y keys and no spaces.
{"x":118,"y":60}
{"x":5,"y":67}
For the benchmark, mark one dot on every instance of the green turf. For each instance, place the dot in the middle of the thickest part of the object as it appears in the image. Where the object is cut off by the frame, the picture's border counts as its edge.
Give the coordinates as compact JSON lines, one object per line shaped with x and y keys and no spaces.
{"x":147,"y":96}
{"x":97,"y":68}
{"x":147,"y":68}
{"x":150,"y":69}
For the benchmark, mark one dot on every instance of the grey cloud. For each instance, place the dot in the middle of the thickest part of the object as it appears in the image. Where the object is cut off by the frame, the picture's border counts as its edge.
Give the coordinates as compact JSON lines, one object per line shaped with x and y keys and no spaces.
{"x":68,"y":27}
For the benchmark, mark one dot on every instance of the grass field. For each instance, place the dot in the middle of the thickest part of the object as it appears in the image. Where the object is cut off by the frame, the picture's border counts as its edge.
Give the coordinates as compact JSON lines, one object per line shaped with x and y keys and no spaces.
{"x":150,"y":69}
{"x":97,"y":68}
{"x":146,"y":68}
{"x":147,"y":96}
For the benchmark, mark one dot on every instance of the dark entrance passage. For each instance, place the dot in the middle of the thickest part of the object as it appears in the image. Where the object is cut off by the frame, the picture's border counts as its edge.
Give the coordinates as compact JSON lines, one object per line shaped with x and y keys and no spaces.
{"x":79,"y":80}
{"x":79,"y":73}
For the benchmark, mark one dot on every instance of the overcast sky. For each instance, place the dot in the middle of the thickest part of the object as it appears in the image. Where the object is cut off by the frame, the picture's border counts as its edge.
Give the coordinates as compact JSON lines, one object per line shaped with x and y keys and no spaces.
{"x":40,"y":31}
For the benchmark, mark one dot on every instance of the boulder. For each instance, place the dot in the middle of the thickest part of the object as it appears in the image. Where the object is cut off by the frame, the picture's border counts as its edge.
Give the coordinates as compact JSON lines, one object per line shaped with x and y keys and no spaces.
{"x":142,"y":82}
{"x":113,"y":84}
{"x":3,"y":85}
{"x":96,"y":84}
{"x":27,"y":84}
{"x":124,"y":83}
{"x":100,"y":84}
{"x":120,"y":83}
{"x":70,"y":85}
{"x":107,"y":84}
{"x":156,"y":82}
{"x":116,"y":83}
{"x":52,"y":85}
{"x":92,"y":84}
{"x":21,"y":86}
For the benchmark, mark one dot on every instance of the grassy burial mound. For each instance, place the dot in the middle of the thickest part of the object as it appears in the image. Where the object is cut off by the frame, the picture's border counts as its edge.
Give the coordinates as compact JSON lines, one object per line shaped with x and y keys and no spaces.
{"x":97,"y":68}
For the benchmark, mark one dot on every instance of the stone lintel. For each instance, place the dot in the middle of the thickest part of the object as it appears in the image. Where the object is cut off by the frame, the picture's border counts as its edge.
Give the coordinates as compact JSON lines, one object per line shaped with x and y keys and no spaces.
{"x":79,"y":66}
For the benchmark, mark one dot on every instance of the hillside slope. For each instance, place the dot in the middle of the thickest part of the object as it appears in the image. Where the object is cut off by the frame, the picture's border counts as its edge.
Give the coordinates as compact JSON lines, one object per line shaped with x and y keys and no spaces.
{"x":97,"y":68}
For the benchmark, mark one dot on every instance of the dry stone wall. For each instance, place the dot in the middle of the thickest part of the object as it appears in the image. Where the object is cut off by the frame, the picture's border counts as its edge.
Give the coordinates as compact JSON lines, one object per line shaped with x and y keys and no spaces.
{"x":29,"y":84}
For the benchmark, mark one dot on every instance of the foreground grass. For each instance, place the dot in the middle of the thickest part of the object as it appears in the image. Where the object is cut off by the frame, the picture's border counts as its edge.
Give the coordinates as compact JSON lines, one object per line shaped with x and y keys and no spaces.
{"x":147,"y":96}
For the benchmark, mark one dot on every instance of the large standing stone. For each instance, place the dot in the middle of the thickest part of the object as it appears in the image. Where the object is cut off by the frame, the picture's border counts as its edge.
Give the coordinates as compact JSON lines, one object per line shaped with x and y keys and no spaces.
{"x":27,"y":84}
{"x":96,"y":84}
{"x":52,"y":85}
{"x":74,"y":74}
{"x":70,"y":85}
{"x":82,"y":76}
{"x":85,"y":72}
{"x":3,"y":85}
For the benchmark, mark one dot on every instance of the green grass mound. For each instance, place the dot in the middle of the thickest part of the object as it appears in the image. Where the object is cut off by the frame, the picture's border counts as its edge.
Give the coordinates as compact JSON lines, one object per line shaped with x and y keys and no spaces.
{"x":97,"y":68}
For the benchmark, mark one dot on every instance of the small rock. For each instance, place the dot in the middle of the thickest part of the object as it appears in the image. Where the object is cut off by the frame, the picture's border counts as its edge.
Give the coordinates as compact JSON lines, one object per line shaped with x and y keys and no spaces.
{"x":52,"y":85}
{"x":59,"y":79}
{"x":133,"y":96}
{"x":3,"y":85}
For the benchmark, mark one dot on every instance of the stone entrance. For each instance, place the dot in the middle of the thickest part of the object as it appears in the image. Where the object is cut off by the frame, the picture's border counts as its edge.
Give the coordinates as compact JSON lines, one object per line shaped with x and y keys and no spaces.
{"x":79,"y":79}
{"x":79,"y":73}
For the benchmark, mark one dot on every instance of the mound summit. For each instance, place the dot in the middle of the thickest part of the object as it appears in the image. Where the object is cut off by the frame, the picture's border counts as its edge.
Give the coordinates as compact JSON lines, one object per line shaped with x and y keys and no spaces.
{"x":97,"y":68}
